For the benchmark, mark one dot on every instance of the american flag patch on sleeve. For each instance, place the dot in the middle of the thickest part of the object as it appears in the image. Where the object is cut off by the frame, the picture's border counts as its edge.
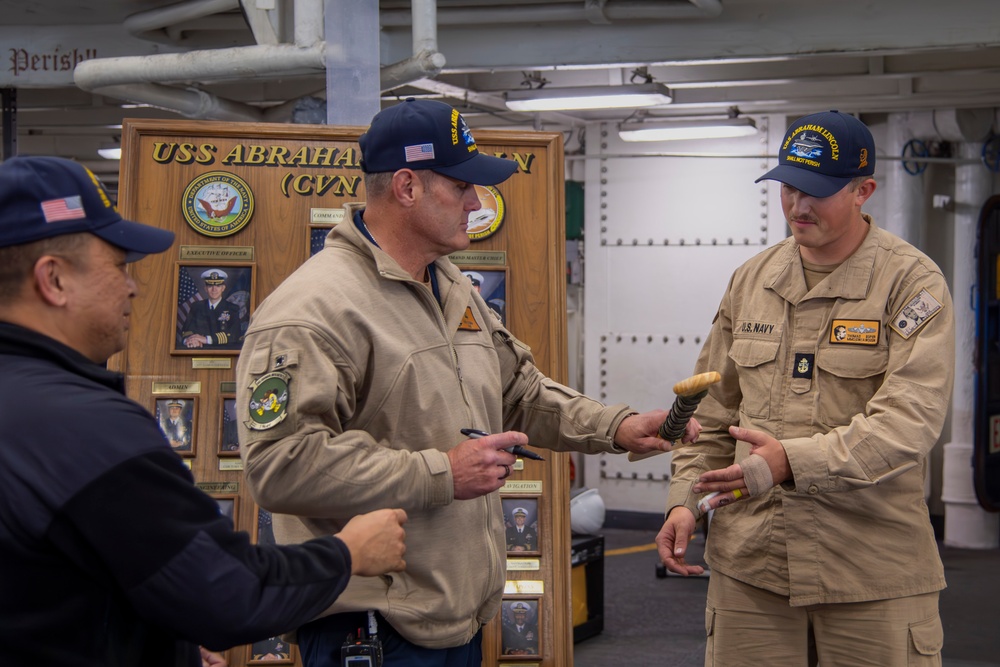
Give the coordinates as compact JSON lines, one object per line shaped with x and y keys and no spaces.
{"x":69,"y":208}
{"x":419,"y":152}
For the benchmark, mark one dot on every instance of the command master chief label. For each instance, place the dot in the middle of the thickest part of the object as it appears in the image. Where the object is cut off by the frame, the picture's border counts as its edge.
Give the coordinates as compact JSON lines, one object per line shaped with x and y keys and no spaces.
{"x":854,"y":332}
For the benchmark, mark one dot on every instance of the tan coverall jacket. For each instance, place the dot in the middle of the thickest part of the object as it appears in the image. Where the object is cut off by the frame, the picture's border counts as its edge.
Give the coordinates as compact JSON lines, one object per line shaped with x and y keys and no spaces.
{"x":856,"y":408}
{"x":380,"y":379}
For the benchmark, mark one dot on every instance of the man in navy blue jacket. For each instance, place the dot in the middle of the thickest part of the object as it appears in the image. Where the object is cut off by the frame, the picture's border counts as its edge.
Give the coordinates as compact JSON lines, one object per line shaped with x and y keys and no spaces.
{"x":111,"y":555}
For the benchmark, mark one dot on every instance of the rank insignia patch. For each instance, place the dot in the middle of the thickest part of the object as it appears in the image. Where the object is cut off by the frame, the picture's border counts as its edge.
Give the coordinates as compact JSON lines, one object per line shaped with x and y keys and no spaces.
{"x":854,"y":332}
{"x":268,"y":401}
{"x":803,"y":365}
{"x":468,"y":322}
{"x":915,"y":314}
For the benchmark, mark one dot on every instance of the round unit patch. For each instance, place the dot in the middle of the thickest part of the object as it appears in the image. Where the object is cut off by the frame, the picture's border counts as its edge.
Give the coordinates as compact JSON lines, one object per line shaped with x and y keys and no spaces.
{"x":218,"y":203}
{"x":268,"y":401}
{"x":487,"y":220}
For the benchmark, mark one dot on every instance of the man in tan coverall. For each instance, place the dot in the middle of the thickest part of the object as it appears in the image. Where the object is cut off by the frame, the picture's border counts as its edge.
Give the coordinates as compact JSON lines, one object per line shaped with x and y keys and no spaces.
{"x":836,"y":350}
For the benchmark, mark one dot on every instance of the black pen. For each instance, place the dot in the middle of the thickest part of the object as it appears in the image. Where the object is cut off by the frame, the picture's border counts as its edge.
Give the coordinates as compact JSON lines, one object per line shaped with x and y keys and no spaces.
{"x":475,"y":433}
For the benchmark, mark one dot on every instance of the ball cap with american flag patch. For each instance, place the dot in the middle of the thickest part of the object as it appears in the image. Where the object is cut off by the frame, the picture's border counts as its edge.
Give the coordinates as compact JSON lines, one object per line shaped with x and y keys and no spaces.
{"x":42,"y":197}
{"x":426,"y":134}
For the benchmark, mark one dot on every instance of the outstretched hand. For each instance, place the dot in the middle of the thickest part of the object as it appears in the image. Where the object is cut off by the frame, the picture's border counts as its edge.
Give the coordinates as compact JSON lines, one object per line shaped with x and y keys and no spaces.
{"x":767,"y":466}
{"x":638,"y":433}
{"x":672,"y":541}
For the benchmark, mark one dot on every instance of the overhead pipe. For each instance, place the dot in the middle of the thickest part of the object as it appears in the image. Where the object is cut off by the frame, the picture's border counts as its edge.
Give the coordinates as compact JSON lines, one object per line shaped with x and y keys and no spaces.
{"x":140,"y":79}
{"x":154,"y":25}
{"x":586,"y":11}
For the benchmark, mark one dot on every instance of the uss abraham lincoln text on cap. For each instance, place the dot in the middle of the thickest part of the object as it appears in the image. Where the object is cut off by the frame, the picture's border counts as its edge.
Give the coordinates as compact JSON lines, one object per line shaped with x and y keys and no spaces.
{"x":823,"y":152}
{"x":43,"y":197}
{"x":426,"y":134}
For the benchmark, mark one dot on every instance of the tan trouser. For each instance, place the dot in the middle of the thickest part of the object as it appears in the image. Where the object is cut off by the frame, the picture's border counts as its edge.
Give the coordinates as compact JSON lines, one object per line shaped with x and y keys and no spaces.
{"x":750,"y":626}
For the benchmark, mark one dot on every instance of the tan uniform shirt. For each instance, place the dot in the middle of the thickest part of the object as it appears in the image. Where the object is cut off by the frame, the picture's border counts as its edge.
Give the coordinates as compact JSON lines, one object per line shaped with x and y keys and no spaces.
{"x":854,"y":378}
{"x":355,"y":383}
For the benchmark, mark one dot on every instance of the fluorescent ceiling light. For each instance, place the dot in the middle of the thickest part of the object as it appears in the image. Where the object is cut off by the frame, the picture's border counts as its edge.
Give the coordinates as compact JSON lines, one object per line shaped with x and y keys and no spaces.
{"x":110,"y":153}
{"x":687,"y":129}
{"x":589,"y":97}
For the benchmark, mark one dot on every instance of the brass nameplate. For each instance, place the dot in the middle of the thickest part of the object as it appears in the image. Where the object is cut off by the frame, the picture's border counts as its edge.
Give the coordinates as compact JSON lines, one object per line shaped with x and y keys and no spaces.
{"x":524,"y":587}
{"x":176,"y":387}
{"x":327,"y":216}
{"x":522,"y":486}
{"x":217,"y":253}
{"x":481,"y":257}
{"x":519,"y":664}
{"x":227,"y":387}
{"x":518,"y":464}
{"x":219,"y":487}
{"x":201,"y":362}
{"x":520,"y":564}
{"x":230,"y":464}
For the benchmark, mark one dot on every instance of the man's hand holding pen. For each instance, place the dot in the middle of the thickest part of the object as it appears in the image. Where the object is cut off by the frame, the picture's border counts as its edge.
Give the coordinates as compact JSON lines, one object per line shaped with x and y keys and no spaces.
{"x":480,"y":464}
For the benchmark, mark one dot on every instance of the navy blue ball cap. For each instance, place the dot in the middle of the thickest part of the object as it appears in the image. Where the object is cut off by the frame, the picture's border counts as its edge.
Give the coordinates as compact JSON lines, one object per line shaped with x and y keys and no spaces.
{"x":426,"y":134}
{"x":42,"y":197}
{"x":823,"y":152}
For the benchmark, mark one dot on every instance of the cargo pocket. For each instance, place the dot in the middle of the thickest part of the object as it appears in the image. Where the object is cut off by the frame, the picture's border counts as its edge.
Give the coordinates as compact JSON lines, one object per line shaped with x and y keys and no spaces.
{"x":848,"y":378}
{"x":926,"y":640}
{"x":756,"y":361}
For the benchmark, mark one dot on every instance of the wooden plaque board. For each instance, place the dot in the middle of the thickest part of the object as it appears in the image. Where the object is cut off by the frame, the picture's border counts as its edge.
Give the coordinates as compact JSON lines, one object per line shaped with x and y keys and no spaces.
{"x":290,"y":182}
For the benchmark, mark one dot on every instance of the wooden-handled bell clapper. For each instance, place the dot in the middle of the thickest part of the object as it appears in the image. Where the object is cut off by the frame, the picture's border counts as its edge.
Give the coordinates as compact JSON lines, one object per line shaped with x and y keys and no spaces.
{"x":689,"y":393}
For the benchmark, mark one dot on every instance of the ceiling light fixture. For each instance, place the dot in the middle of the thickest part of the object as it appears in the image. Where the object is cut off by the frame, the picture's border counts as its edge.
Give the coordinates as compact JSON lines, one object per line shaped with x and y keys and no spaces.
{"x":631,"y":96}
{"x":687,"y":129}
{"x":110,"y":153}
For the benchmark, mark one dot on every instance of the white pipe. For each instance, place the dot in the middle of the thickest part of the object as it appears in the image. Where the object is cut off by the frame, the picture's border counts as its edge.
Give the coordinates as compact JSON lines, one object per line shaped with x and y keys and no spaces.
{"x":244,"y":62}
{"x":151,"y":25}
{"x":905,"y":212}
{"x":966,"y":524}
{"x":131,"y":77}
{"x":308,"y":23}
{"x":551,"y":13}
{"x":187,"y":102}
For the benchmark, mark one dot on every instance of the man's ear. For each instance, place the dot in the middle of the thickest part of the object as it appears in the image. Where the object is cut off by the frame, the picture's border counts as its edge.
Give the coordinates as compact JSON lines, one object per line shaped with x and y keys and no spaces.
{"x":50,"y":275}
{"x":406,"y":187}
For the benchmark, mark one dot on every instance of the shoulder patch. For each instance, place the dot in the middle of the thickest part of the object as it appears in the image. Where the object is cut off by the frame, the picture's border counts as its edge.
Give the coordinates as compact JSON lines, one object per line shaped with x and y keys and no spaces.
{"x":915,"y":314}
{"x":469,"y":322}
{"x":269,"y":397}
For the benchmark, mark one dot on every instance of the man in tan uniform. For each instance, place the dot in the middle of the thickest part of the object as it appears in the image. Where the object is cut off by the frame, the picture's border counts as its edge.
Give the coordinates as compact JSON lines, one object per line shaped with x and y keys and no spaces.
{"x":836,"y":351}
{"x":359,"y":374}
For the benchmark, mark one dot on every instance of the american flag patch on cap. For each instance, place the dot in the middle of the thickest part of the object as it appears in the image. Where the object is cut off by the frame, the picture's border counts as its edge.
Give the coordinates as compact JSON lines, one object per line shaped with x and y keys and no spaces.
{"x":69,"y":208}
{"x":419,"y":152}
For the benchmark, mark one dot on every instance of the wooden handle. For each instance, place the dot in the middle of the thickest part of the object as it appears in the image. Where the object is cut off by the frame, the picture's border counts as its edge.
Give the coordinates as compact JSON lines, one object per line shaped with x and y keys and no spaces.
{"x":696,"y":383}
{"x":689,"y":387}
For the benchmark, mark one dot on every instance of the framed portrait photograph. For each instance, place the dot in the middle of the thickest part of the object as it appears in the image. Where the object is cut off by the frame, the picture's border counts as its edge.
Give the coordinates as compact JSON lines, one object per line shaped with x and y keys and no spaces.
{"x":214,"y":302}
{"x":229,"y":442}
{"x":263,"y":531}
{"x":228,"y":505}
{"x":491,"y":283}
{"x":177,"y":417}
{"x":521,"y":519}
{"x":520,"y":634}
{"x":317,"y":238}
{"x":271,"y":651}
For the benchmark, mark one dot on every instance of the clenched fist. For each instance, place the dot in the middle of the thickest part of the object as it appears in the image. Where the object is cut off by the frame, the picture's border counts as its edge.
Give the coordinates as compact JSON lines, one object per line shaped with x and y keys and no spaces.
{"x":376,"y":541}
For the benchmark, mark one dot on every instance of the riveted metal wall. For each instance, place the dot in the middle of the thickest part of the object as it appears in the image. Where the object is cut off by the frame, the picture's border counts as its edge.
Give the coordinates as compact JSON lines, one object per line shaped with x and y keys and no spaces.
{"x":666,"y":225}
